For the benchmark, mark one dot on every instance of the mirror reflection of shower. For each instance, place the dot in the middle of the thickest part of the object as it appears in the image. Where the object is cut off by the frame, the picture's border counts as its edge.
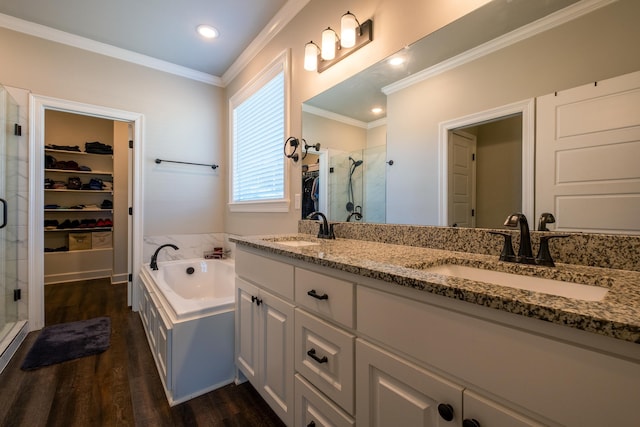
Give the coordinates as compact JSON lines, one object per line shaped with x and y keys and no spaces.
{"x":357,"y":186}
{"x":351,"y":199}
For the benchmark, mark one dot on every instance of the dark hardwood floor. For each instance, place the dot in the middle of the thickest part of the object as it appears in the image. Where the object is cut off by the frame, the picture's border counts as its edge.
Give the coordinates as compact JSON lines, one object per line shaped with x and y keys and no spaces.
{"x":119,"y":387}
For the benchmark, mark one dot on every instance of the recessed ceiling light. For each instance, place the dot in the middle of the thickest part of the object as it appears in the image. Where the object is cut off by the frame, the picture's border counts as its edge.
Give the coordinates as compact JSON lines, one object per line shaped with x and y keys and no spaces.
{"x":376,"y":110}
{"x":396,"y":61}
{"x":207,"y":31}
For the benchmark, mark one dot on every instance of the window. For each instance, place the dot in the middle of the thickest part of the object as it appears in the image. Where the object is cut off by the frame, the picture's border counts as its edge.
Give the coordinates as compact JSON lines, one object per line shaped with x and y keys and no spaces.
{"x":258,"y":123}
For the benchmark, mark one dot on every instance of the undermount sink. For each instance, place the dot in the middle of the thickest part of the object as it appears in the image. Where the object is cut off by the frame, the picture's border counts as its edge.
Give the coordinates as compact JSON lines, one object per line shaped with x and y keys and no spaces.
{"x":297,"y":243}
{"x":535,"y":284}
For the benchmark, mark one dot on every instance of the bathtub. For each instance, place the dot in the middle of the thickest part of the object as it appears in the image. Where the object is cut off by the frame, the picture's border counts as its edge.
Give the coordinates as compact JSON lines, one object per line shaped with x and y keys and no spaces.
{"x":208,"y":289}
{"x":187,"y":308}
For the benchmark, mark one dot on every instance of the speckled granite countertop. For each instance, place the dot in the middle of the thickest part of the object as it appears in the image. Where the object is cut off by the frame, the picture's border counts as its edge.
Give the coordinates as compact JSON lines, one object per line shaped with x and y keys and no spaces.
{"x":617,"y":315}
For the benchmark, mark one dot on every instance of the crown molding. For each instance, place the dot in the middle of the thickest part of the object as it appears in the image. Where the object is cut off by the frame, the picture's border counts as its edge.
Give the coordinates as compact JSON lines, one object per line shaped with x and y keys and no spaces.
{"x":83,"y":43}
{"x":553,"y":20}
{"x":333,"y":116}
{"x":277,"y":23}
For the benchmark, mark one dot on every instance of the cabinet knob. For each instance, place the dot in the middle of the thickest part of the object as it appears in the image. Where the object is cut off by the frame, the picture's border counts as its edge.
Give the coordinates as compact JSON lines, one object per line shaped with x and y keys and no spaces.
{"x":253,"y":298}
{"x":314,"y":294}
{"x":312,"y":354}
{"x":470,"y":422}
{"x":311,"y":424}
{"x":446,"y":411}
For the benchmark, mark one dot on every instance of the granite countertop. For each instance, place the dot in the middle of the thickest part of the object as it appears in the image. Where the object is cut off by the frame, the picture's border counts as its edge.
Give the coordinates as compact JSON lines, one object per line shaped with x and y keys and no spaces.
{"x":617,"y":315}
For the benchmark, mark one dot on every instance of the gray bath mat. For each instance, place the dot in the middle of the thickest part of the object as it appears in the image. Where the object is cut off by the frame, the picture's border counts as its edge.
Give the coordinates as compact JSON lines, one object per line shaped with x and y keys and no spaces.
{"x":67,"y":341}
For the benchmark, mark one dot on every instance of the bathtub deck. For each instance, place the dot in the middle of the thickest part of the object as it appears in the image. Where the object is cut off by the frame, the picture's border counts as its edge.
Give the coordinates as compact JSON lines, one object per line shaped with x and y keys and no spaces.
{"x":118,"y":387}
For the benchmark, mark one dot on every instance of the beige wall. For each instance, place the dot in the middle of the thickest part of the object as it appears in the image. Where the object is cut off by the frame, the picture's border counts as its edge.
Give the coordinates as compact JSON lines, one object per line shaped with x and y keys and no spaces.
{"x":183,"y":120}
{"x":594,"y":47}
{"x":396,"y":24}
{"x":332,"y":134}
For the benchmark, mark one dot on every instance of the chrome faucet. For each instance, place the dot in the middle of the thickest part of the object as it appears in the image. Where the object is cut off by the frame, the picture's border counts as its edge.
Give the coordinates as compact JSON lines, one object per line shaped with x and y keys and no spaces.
{"x":154,"y":257}
{"x":326,"y":229}
{"x":525,"y":253}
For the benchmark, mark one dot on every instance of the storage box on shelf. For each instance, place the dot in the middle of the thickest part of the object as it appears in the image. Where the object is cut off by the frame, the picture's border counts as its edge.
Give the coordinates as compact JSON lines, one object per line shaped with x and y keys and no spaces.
{"x":78,"y":198}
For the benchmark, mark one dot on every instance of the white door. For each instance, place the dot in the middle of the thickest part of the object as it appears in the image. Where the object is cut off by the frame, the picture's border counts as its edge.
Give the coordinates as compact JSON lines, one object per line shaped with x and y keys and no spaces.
{"x":588,"y":156}
{"x":392,"y":392}
{"x":276,"y":365}
{"x":462,"y":179}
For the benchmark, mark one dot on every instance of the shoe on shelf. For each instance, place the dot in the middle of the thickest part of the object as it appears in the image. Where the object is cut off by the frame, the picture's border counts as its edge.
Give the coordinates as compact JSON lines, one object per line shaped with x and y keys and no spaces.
{"x":108,"y":222}
{"x":65,"y":224}
{"x":51,"y":224}
{"x":107,"y":204}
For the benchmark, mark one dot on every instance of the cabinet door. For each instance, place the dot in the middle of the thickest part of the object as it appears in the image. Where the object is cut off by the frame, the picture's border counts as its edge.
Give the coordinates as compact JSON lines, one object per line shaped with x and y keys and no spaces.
{"x":487,"y":413}
{"x":163,"y":352}
{"x":276,"y":365}
{"x":393,"y":392}
{"x":314,"y":409}
{"x":247,"y":329}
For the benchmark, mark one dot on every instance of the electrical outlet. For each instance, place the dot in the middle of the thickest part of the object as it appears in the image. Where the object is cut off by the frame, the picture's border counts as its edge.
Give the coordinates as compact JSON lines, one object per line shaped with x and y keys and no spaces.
{"x":297,"y":201}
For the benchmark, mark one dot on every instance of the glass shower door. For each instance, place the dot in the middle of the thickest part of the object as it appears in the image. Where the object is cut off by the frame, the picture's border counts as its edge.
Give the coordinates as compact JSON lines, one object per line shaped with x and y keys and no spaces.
{"x":8,"y":213}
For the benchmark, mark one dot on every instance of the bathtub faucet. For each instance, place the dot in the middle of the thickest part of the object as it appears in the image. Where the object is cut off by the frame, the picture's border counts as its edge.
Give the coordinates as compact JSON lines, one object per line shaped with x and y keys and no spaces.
{"x":154,"y":258}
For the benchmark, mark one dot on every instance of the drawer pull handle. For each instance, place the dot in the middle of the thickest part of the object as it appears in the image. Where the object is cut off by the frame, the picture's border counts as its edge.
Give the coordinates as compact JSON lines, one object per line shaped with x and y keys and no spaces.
{"x":312,"y":293}
{"x":312,"y":354}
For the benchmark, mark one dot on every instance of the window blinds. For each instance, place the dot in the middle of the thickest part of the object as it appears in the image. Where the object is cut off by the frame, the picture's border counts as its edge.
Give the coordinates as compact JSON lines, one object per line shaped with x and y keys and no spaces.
{"x":258,"y":128}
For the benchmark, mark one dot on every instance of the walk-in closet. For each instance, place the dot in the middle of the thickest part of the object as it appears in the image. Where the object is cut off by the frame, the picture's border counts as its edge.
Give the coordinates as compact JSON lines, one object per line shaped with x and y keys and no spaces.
{"x":86,"y":193}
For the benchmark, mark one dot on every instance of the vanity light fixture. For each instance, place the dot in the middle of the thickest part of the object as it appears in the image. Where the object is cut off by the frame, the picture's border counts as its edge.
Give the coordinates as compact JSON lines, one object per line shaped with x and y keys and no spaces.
{"x":333,"y":49}
{"x":207,"y":31}
{"x":311,"y":51}
{"x":329,"y":41}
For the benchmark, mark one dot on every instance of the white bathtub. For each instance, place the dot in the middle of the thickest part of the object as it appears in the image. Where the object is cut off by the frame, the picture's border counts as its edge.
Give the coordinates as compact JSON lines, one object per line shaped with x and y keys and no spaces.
{"x":208,"y":290}
{"x":187,"y":308}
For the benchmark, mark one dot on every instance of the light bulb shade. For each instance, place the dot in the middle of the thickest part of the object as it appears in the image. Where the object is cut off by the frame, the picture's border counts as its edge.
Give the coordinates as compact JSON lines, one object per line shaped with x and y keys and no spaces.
{"x":328,"y":51}
{"x":348,"y":30}
{"x":310,"y":56}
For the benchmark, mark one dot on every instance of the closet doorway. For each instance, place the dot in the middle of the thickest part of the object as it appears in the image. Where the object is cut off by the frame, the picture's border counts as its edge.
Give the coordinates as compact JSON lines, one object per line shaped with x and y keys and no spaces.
{"x":88,"y":215}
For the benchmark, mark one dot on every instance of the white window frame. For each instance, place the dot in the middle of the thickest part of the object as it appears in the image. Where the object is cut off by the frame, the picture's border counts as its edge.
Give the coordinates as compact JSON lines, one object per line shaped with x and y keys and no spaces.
{"x":280,"y":64}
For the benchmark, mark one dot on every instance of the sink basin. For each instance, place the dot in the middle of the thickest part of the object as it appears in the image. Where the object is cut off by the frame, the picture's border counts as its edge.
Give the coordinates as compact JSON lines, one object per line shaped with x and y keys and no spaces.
{"x":535,"y":284}
{"x":297,"y":243}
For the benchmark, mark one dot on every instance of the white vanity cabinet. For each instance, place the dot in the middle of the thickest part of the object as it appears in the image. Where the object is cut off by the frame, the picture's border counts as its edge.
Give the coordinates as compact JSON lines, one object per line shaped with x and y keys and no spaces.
{"x":264,"y":329}
{"x":367,"y":352}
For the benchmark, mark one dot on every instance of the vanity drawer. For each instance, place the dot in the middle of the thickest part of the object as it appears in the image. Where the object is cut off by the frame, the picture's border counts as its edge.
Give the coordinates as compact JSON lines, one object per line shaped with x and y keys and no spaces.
{"x":313,"y":407}
{"x":273,"y":275}
{"x":328,"y":296}
{"x":324,"y":355}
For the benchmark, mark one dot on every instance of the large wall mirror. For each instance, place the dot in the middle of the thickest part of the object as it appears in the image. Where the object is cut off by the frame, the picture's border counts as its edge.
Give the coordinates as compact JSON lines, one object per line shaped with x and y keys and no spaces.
{"x":392,"y":135}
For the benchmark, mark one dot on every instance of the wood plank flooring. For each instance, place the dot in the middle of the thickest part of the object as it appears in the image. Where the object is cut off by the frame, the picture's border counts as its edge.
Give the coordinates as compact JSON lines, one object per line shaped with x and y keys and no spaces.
{"x":119,"y":387}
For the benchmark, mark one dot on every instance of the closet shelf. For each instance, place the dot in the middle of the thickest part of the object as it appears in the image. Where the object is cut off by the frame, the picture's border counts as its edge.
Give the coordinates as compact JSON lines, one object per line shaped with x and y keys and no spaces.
{"x":81,"y":153}
{"x":79,"y":172}
{"x":86,"y":229}
{"x":79,"y":210}
{"x":63,"y":190}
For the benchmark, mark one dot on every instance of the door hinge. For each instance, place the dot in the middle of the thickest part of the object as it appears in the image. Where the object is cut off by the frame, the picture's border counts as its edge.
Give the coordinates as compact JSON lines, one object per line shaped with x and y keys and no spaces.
{"x":17,"y":130}
{"x":130,"y":143}
{"x":473,"y":212}
{"x":130,"y":211}
{"x":130,"y":277}
{"x":17,"y":294}
{"x":473,"y":157}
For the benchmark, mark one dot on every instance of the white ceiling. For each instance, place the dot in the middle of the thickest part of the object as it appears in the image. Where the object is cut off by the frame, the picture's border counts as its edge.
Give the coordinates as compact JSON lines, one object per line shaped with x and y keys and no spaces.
{"x":160,"y":29}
